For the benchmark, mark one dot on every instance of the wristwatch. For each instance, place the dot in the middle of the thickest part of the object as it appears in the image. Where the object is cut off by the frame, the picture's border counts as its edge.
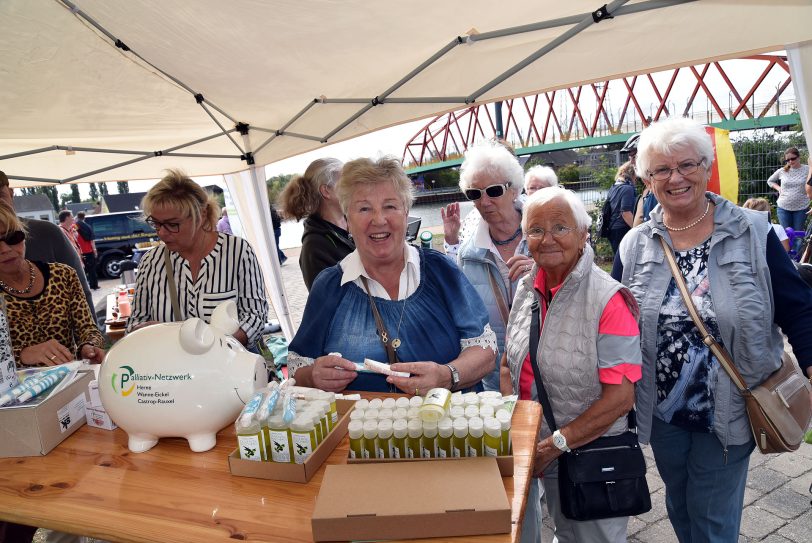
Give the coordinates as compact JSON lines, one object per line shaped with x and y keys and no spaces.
{"x":560,"y":441}
{"x":455,"y":376}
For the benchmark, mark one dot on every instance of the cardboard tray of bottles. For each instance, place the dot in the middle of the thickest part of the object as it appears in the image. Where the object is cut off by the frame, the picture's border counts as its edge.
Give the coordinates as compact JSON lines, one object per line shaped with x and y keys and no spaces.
{"x":296,"y":473}
{"x":505,"y":463}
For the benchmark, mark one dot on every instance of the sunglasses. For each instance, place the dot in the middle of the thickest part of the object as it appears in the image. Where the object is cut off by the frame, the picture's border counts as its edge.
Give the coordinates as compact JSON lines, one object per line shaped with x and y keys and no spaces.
{"x":493,"y":191}
{"x":790,"y":159}
{"x":14,"y":238}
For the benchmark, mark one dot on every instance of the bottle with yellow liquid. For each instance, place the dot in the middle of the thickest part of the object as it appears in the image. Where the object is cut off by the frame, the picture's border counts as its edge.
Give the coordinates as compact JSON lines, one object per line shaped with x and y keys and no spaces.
{"x":492,"y":441}
{"x":330,"y":398}
{"x":313,"y":412}
{"x":445,"y":430}
{"x":435,"y":404}
{"x":356,"y":432}
{"x":370,"y":435}
{"x":383,"y":445}
{"x":475,"y":433}
{"x":413,"y":438}
{"x":428,"y":443}
{"x":303,"y":436}
{"x":280,"y":442}
{"x":504,"y":421}
{"x":458,"y":440}
{"x":399,"y":433}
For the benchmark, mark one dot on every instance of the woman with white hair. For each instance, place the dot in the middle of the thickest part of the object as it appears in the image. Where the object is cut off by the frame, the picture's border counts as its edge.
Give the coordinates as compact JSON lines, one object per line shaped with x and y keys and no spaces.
{"x":494,"y":257}
{"x":746,"y":291}
{"x":539,"y":177}
{"x":588,"y":351}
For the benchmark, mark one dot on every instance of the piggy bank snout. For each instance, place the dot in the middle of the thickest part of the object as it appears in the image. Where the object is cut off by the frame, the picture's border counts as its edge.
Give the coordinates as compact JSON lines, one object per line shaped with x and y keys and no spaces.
{"x":196,"y":337}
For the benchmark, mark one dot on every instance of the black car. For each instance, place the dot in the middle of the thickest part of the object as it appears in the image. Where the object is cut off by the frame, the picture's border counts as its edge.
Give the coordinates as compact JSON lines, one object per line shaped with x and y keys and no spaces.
{"x":116,"y":236}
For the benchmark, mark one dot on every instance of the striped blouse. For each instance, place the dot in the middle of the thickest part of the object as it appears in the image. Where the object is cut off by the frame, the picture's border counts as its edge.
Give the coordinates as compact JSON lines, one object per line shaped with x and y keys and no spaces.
{"x":229,"y":272}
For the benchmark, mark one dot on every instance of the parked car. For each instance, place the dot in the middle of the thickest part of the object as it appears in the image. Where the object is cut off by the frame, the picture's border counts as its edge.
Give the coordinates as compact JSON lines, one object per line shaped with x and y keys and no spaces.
{"x":117,"y":235}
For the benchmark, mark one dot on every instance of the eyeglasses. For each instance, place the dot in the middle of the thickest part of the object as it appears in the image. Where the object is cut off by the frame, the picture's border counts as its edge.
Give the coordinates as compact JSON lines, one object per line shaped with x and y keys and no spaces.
{"x":493,"y":191}
{"x":686,"y":168}
{"x":557,"y":231}
{"x":13,"y":238}
{"x":172,"y":227}
{"x":790,"y":159}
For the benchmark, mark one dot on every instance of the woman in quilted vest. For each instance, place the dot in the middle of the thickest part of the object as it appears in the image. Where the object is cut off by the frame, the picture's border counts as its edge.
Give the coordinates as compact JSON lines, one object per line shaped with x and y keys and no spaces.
{"x":744,"y":288}
{"x":588,"y":353}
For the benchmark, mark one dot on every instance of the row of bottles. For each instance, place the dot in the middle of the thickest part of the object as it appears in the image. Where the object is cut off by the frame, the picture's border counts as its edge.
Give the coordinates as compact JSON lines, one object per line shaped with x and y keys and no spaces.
{"x":285,"y":423}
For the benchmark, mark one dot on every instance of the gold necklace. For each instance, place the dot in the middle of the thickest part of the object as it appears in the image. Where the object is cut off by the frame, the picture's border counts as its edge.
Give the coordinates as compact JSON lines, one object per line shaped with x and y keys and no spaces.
{"x":26,"y":290}
{"x":396,"y":341}
{"x":683,"y":228}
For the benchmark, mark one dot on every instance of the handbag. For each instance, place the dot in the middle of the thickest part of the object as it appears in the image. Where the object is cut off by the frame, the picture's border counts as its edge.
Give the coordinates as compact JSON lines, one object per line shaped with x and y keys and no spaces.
{"x":606,"y":477}
{"x":779,"y":408}
{"x":605,"y":218}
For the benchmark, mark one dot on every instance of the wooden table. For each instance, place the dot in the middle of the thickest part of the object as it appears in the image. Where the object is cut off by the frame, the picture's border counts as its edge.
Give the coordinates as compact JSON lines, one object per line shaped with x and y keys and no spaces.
{"x":91,"y":484}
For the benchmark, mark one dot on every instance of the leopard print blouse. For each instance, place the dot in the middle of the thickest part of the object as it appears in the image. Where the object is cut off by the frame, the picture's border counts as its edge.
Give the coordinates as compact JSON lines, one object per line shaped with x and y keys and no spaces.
{"x":59,"y":312}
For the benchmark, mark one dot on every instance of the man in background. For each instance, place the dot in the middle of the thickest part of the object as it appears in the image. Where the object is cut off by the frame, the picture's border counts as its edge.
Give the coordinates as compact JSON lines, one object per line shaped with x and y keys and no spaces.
{"x":46,"y":243}
{"x":87,"y":245}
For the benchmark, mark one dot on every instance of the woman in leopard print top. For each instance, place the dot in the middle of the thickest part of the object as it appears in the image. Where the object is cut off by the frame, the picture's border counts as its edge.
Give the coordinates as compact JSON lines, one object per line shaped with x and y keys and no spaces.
{"x":48,"y":317}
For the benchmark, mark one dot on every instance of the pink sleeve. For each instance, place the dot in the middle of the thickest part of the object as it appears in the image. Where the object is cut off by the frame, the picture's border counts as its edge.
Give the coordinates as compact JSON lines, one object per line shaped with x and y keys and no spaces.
{"x":615,"y":374}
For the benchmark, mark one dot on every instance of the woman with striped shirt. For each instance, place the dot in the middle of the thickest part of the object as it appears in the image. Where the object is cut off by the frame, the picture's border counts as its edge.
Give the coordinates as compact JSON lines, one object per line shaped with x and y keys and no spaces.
{"x":206,"y":267}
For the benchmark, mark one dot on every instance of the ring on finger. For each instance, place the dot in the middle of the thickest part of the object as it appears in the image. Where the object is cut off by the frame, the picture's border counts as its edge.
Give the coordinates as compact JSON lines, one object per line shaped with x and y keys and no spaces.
{"x":417,"y":392}
{"x":52,"y":357}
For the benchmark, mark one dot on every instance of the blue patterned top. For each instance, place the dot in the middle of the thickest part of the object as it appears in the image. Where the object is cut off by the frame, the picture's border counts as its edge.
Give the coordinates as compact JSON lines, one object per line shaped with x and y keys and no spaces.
{"x":433,"y":323}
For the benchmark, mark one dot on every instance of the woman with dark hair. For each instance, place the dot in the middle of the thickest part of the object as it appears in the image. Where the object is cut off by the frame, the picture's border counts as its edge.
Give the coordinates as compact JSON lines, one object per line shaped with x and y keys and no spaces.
{"x":790,"y":182}
{"x":312,"y":197}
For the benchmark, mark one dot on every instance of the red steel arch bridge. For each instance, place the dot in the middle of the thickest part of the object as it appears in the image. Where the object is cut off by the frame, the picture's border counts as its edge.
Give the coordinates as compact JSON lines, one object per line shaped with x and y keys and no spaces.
{"x":735,"y":94}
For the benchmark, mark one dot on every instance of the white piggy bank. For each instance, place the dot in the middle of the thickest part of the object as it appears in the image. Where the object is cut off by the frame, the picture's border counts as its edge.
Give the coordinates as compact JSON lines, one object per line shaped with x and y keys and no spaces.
{"x":187,"y":380}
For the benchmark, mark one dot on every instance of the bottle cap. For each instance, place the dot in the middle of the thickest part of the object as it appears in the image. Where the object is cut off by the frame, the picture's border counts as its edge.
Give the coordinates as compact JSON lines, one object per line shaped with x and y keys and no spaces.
{"x":356,"y":429}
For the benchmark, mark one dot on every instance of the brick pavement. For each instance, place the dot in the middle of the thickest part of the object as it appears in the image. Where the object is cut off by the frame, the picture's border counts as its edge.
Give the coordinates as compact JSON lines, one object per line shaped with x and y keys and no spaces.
{"x":777,"y":499}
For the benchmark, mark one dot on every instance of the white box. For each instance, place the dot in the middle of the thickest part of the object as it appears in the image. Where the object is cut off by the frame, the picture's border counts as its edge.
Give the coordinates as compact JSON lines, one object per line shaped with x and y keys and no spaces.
{"x":93,"y":392}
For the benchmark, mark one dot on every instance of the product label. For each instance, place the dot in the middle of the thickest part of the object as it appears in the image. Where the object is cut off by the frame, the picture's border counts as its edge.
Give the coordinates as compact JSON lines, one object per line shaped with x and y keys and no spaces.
{"x":455,"y":452}
{"x":441,"y":453}
{"x":365,"y":453}
{"x":302,"y":446}
{"x":379,"y":452}
{"x":249,"y":447}
{"x":394,"y":452}
{"x":491,"y":451}
{"x":280,"y":451}
{"x":334,"y":416}
{"x":71,"y":413}
{"x":409,"y":452}
{"x":472,"y":451}
{"x":425,"y":453}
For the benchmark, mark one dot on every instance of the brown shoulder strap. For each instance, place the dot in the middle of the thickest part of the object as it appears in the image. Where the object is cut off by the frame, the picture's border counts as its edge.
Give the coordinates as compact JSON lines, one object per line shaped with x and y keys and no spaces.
{"x":382,"y":333}
{"x":500,"y":299}
{"x":173,"y":289}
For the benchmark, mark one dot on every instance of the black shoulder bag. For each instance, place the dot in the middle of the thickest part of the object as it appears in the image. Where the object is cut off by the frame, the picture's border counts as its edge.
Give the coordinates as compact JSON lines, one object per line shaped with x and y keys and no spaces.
{"x":604,"y":478}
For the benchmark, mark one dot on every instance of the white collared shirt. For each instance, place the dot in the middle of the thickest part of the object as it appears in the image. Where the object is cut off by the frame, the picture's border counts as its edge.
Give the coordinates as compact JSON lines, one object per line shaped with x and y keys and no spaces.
{"x":353,"y":269}
{"x":483,"y":240}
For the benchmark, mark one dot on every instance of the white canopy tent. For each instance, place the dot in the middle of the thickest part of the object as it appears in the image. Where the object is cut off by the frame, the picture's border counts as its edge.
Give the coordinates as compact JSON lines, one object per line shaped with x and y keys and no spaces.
{"x":104,"y":91}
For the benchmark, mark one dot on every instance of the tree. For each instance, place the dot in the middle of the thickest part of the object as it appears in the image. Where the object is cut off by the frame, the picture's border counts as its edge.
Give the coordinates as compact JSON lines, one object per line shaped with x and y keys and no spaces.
{"x":94,"y":192}
{"x":103,"y":189}
{"x":52,"y":195}
{"x":275,"y":185}
{"x":65,"y":199}
{"x":74,"y":194}
{"x":123,"y":187}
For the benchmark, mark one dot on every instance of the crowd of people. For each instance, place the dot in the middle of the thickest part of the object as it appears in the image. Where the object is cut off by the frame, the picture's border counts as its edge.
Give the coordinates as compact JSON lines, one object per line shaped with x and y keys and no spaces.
{"x":464,"y":319}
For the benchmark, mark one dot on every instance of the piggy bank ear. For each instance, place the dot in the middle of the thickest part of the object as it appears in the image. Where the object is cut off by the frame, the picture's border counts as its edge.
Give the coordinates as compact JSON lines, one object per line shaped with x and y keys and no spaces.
{"x":224,"y":318}
{"x":196,"y":337}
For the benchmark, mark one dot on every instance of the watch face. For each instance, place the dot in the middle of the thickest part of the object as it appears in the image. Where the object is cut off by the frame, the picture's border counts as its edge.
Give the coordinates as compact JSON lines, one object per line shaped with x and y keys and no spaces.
{"x":559,"y":441}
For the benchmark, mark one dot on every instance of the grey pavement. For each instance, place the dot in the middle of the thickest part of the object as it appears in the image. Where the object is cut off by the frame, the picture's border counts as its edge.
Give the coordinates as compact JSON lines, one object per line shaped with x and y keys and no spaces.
{"x":777,"y":498}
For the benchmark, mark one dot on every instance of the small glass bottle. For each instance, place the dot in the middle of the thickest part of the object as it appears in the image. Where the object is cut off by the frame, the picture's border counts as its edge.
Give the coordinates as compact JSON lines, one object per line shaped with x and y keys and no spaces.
{"x":413,"y":413}
{"x":356,"y":431}
{"x":385,"y":413}
{"x":363,"y":403}
{"x":470,"y":398}
{"x":388,"y":403}
{"x":371,"y":414}
{"x":492,"y":442}
{"x":279,"y":440}
{"x":416,"y":401}
{"x":383,"y":444}
{"x":357,"y":414}
{"x":375,"y":403}
{"x":445,"y":430}
{"x":504,"y":420}
{"x":370,"y":435}
{"x":400,"y":413}
{"x":471,"y":411}
{"x":485,"y":411}
{"x":435,"y":405}
{"x":457,"y":399}
{"x":428,"y":443}
{"x":330,"y":398}
{"x":415,"y":433}
{"x":474,"y":440}
{"x":457,"y":412}
{"x":402,"y":402}
{"x":399,"y":433}
{"x":303,"y":436}
{"x":458,"y":445}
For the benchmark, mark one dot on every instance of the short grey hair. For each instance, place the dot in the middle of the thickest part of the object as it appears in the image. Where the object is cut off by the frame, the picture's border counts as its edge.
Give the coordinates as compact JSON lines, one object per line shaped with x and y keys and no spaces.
{"x":547,"y":194}
{"x":669,"y":136}
{"x":365,"y":171}
{"x":491,"y":158}
{"x":545,"y":174}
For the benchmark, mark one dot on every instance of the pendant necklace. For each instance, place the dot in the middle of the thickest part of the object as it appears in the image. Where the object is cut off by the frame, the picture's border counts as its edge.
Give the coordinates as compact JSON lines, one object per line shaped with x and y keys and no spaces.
{"x":26,"y":290}
{"x":515,"y":235}
{"x":683,"y":228}
{"x":396,"y":341}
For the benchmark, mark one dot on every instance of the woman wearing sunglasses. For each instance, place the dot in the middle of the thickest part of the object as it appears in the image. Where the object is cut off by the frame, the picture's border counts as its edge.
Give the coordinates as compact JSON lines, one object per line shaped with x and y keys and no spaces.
{"x":495,"y":256}
{"x":206,"y":267}
{"x":49,"y":320}
{"x":790,"y":182}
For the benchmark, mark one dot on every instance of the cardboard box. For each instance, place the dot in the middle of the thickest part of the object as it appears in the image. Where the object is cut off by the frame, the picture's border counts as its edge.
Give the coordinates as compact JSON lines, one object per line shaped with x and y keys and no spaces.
{"x":93,"y":391}
{"x":411,"y":500}
{"x":505,"y":463}
{"x":34,"y":430}
{"x":97,"y":417}
{"x":296,"y":473}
